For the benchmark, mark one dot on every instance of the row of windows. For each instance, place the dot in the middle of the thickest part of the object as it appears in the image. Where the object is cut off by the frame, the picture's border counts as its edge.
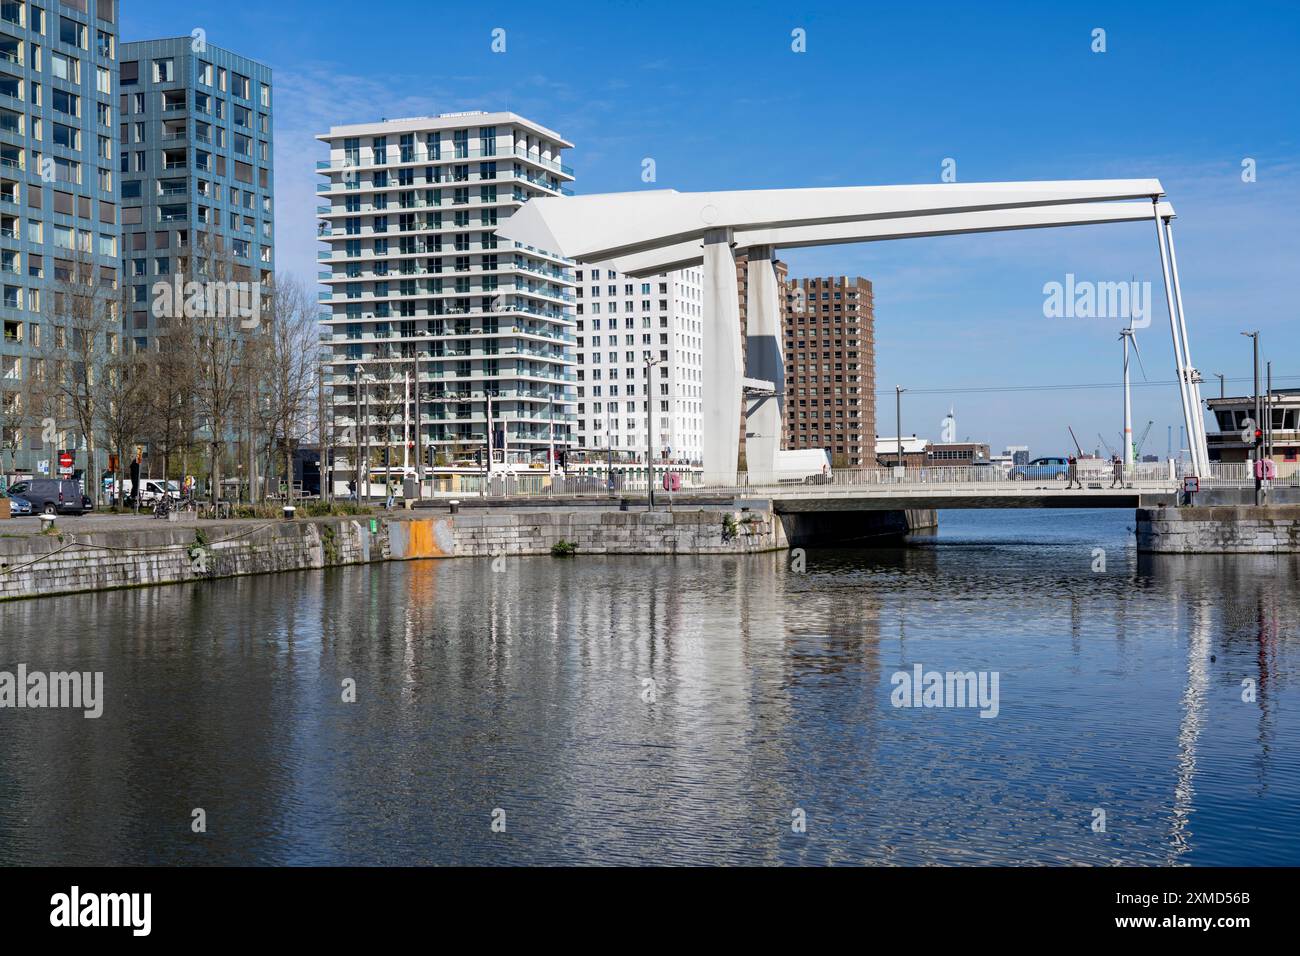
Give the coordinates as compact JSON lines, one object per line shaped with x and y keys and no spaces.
{"x":239,"y":198}
{"x":66,"y":68}
{"x":163,"y":70}
{"x":179,"y":239}
{"x":177,"y":160}
{"x":64,"y":203}
{"x":71,"y":31}
{"x":174,"y":101}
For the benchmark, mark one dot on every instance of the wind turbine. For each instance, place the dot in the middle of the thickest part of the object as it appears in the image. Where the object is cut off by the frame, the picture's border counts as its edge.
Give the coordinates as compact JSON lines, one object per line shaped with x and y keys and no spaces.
{"x":1125,"y":336}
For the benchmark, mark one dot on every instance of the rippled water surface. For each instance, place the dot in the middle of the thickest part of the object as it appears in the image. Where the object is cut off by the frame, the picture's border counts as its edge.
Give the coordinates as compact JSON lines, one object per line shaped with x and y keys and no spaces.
{"x":526,"y":691}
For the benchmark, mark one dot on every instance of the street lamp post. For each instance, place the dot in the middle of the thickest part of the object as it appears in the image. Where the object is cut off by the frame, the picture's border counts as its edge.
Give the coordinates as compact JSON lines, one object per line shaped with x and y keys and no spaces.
{"x":1268,"y":409}
{"x":419,"y":433}
{"x":898,"y":424}
{"x":323,"y":432}
{"x":649,"y":434}
{"x":1254,"y":337}
{"x":609,"y":454}
{"x":1222,"y":392}
{"x":487,"y":456}
{"x":356,"y":432}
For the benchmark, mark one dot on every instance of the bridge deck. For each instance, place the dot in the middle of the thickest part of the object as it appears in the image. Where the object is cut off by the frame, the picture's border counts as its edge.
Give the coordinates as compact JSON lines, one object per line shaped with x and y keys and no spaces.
{"x":893,"y":498}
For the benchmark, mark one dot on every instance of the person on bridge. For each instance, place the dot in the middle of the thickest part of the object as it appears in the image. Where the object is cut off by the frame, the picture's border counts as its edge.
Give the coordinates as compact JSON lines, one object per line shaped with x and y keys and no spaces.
{"x":1117,"y":470}
{"x":1072,"y":472}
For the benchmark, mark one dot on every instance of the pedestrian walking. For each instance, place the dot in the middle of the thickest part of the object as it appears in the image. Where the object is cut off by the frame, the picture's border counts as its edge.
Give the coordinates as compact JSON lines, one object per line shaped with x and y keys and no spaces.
{"x":352,"y":489}
{"x":1072,"y":472}
{"x":1117,"y":470}
{"x":392,"y":494}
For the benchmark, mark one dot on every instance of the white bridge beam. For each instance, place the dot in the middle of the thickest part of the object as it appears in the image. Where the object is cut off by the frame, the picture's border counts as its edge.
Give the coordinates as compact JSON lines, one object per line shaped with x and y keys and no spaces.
{"x":764,"y":359}
{"x":722,"y":370}
{"x":644,"y":233}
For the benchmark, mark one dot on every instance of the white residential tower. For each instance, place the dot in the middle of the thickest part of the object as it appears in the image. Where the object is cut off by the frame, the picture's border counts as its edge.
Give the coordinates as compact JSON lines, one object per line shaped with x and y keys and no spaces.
{"x":622,"y":323}
{"x":431,"y":318}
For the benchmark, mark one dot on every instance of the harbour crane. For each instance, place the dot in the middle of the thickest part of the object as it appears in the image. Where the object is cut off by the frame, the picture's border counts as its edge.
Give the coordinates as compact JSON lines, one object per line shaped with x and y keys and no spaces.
{"x":1137,"y":448}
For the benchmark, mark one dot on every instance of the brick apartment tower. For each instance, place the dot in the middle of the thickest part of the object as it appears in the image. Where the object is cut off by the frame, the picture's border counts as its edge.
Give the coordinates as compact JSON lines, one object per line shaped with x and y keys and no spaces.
{"x":830,"y":368}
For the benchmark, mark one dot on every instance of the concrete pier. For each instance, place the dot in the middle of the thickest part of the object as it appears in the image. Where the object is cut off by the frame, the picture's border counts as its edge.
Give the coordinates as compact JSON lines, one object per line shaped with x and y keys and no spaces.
{"x":1224,"y":529}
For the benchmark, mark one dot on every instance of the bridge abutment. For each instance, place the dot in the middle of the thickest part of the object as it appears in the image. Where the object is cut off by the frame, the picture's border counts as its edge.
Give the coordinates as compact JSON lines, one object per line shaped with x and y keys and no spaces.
{"x":847,"y":528}
{"x":1223,"y":529}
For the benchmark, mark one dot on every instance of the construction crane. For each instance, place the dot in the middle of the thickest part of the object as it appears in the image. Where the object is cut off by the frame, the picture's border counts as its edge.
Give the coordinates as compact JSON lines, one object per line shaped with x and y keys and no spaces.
{"x":1137,"y":448}
{"x":1106,"y":444}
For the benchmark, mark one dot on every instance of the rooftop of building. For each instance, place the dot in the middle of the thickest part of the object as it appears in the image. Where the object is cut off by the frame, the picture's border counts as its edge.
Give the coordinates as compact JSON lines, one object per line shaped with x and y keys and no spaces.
{"x":1281,"y":396}
{"x":911,"y":445}
{"x":831,"y":281}
{"x":413,"y":124}
{"x":129,"y":49}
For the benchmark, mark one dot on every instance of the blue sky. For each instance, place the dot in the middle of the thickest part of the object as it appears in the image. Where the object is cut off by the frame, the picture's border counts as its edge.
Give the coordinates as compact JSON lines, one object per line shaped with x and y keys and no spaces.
{"x":883,"y":94}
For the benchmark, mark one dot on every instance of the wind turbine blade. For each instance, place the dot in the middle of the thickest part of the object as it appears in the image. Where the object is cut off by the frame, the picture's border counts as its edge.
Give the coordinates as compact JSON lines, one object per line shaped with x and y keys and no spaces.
{"x":1138,"y":352}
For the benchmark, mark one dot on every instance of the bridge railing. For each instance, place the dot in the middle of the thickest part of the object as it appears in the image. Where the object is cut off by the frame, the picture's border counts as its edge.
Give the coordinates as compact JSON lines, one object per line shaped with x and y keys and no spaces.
{"x":1091,"y":472}
{"x":1241,"y":474}
{"x":1094,"y":474}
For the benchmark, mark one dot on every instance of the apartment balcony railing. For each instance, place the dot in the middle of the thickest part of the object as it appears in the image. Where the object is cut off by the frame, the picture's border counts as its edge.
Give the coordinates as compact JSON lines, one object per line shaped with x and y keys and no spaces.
{"x":422,"y":155}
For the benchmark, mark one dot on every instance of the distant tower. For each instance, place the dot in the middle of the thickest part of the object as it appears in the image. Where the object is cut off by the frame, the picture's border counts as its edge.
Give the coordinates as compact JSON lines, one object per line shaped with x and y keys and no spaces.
{"x":948,"y":433}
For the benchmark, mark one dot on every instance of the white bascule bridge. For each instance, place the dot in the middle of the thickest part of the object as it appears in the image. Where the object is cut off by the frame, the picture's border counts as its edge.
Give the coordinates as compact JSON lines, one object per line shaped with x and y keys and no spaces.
{"x":648,"y":232}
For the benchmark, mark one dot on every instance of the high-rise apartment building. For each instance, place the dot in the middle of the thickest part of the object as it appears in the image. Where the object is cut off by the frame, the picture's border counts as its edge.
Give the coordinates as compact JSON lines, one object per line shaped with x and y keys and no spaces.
{"x":58,"y":202}
{"x":195,"y":166}
{"x":421,"y":291}
{"x":621,"y":323}
{"x":830,"y":362}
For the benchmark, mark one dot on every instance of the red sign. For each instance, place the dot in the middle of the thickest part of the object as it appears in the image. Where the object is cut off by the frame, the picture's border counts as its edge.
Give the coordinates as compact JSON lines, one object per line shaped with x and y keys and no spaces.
{"x":65,"y":462}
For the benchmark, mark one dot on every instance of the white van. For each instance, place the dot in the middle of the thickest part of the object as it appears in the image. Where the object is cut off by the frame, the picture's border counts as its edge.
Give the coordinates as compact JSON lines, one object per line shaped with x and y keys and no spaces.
{"x":809,"y":466}
{"x":151,"y":489}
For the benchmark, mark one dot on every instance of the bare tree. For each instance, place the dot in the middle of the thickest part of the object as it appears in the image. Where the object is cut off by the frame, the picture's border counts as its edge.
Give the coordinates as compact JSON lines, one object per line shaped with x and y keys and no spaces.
{"x":123,"y":388}
{"x":13,"y":419}
{"x":214,"y":346}
{"x":289,"y":383}
{"x":86,"y":329}
{"x":169,"y":397}
{"x":387,"y":392}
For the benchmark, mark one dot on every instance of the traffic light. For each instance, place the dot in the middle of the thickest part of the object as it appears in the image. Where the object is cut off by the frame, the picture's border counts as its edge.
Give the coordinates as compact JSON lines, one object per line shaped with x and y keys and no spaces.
{"x":1259,"y":437}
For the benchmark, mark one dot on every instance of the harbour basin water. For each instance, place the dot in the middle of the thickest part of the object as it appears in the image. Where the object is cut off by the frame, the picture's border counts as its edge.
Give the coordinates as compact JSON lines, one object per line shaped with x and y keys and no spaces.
{"x":660,"y":710}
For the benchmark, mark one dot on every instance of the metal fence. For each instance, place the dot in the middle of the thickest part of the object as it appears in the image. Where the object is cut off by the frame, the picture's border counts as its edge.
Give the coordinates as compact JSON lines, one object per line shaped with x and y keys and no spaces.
{"x":1091,"y":473}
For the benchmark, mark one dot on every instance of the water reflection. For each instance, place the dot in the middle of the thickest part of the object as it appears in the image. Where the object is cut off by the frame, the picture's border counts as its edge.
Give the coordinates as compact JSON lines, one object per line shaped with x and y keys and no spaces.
{"x":526,"y":689}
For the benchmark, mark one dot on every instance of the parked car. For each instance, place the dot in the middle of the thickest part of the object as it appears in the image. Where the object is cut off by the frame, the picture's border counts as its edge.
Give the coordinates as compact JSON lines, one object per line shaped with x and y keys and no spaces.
{"x":18,"y":505}
{"x":1040,"y":469}
{"x":51,"y":495}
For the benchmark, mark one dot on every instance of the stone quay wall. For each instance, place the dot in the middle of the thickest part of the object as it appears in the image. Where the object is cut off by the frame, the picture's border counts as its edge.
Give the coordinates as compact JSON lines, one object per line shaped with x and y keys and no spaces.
{"x":1234,"y":529}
